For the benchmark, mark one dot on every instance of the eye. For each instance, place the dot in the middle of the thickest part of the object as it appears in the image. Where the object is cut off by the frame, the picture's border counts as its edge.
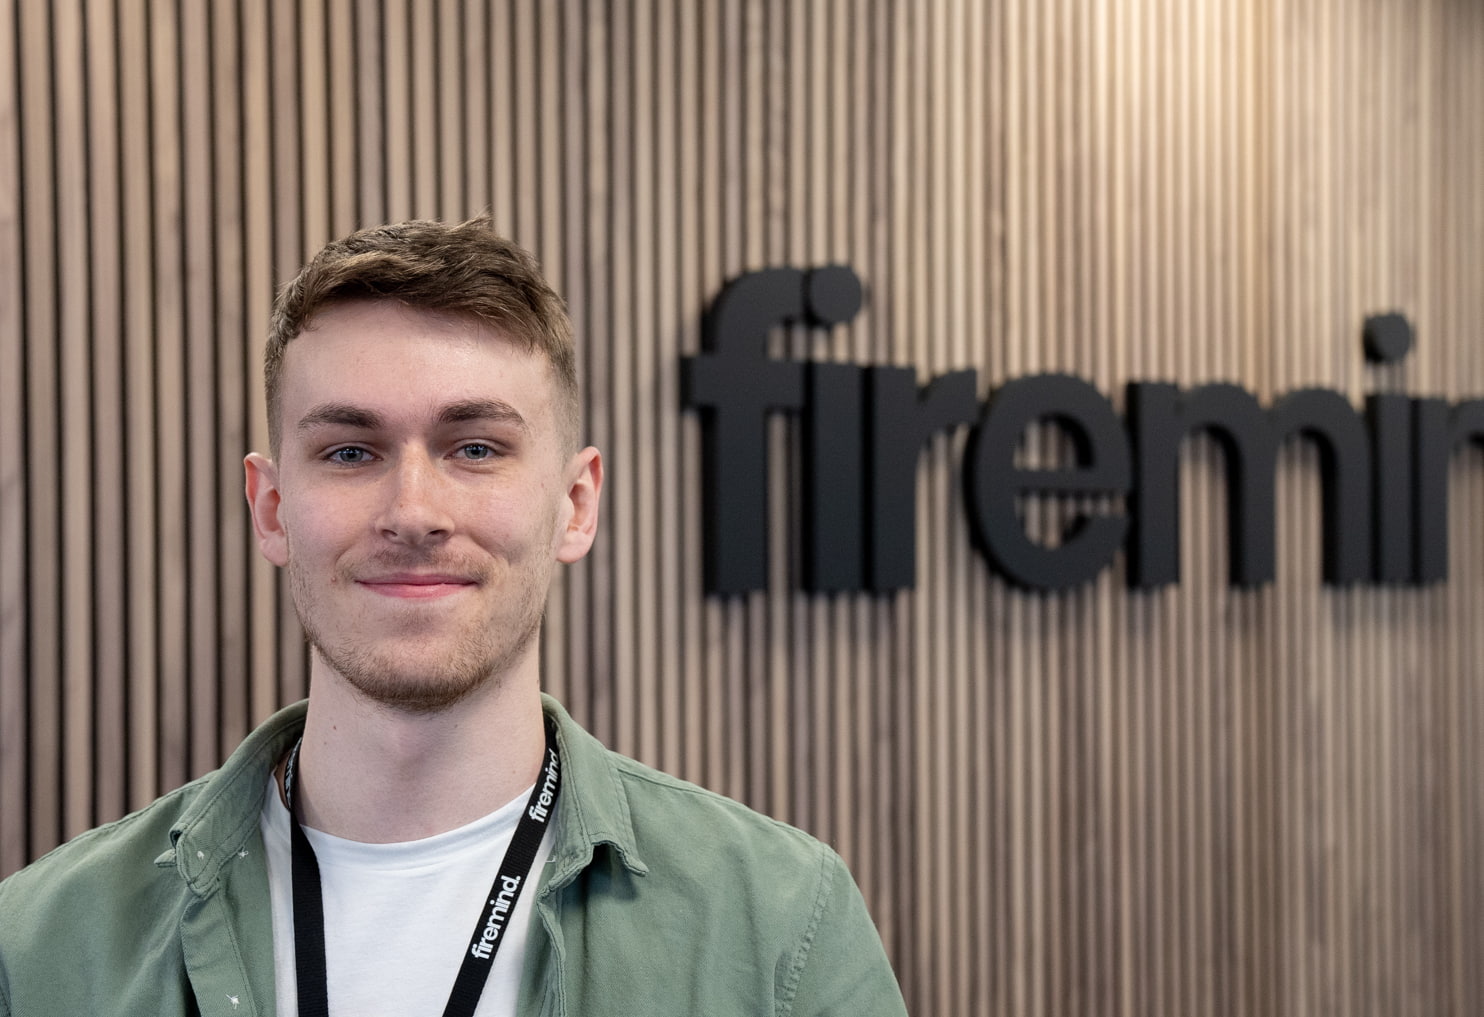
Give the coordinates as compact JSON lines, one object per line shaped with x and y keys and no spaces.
{"x":350,"y":455}
{"x":477,"y":451}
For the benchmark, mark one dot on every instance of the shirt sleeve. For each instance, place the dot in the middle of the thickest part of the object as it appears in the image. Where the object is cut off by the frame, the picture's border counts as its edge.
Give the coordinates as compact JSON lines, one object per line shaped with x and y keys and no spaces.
{"x":840,"y":969}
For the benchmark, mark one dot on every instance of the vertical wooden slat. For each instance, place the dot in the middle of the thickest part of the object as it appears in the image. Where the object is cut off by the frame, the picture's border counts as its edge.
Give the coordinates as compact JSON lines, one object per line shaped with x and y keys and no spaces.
{"x":693,"y":134}
{"x":521,"y":160}
{"x":472,"y":132}
{"x":234,"y":346}
{"x":168,"y":414}
{"x":447,"y":112}
{"x":139,"y":382}
{"x":73,"y":411}
{"x":618,"y":214}
{"x":259,"y":280}
{"x":373,"y":112}
{"x":721,"y":627}
{"x":501,"y":153}
{"x":342,"y":42}
{"x":287,"y":239}
{"x":311,"y":63}
{"x":38,"y":275}
{"x":199,"y":351}
{"x":15,"y":815}
{"x":602,"y":605}
{"x":422,"y":149}
{"x":563,"y":650}
{"x":108,"y":459}
{"x":668,"y":659}
{"x":644,"y":228}
{"x":395,"y":80}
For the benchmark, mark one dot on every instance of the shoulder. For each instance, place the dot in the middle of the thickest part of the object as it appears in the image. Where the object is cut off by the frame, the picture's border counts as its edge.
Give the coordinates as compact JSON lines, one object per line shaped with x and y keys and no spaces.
{"x":118,"y":892}
{"x":700,"y":823}
{"x":767,"y":915}
{"x":99,"y":892}
{"x":783,"y":896}
{"x":675,"y":842}
{"x":654,"y":820}
{"x":202,"y":819}
{"x":93,"y":863}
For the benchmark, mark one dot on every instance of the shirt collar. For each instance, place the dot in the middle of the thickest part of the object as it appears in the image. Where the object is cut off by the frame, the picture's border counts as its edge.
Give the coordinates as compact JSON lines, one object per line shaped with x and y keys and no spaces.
{"x":223,"y":819}
{"x":593,"y":809}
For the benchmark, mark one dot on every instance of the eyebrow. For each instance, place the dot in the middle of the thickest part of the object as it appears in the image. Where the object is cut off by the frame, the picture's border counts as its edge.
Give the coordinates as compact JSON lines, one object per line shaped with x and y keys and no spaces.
{"x":349,"y":415}
{"x":343,"y":414}
{"x":481,"y":409}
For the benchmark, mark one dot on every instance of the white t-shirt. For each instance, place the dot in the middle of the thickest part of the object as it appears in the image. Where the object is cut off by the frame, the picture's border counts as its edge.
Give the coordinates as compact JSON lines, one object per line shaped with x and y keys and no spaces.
{"x":400,"y":917}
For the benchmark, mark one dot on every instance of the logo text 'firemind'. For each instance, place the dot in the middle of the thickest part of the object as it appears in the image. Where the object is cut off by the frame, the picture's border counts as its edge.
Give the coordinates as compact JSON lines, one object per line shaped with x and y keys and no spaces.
{"x":1384,"y":469}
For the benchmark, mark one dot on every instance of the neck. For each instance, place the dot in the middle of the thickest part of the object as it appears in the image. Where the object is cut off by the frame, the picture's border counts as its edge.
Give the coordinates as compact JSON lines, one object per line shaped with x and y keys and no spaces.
{"x":377,"y":774}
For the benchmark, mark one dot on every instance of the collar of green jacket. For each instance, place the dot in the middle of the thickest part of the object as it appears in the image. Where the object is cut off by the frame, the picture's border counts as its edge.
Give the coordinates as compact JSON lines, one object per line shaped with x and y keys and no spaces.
{"x":206,"y":838}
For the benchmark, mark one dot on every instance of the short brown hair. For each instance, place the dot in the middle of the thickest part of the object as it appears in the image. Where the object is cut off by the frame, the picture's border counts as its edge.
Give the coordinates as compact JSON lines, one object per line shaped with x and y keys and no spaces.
{"x":465,"y":268}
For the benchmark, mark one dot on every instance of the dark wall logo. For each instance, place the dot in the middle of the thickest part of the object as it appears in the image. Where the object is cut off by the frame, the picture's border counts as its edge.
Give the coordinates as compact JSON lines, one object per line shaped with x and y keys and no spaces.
{"x":1384,"y":469}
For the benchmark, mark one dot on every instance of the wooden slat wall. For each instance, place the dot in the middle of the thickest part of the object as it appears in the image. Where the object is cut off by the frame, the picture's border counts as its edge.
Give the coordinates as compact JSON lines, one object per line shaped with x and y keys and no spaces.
{"x":1196,"y":801}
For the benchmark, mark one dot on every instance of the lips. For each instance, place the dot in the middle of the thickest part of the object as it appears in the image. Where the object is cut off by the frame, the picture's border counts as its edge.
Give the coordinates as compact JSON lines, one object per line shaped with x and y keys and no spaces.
{"x":416,"y":585}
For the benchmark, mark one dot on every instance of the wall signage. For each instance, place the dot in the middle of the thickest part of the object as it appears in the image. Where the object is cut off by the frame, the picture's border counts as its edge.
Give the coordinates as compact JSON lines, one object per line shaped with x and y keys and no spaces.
{"x":1384,"y":469}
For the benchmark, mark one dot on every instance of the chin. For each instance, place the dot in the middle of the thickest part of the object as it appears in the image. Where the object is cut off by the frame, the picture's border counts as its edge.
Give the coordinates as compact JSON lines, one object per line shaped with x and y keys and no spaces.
{"x":425,"y":677}
{"x":419,"y":692}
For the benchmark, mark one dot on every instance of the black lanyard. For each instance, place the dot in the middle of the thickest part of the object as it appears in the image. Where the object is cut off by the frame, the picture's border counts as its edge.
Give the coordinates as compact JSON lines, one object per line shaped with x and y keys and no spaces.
{"x":479,"y":957}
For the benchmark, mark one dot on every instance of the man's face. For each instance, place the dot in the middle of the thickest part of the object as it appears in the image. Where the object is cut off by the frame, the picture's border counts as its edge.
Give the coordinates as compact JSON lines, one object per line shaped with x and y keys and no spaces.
{"x":420,"y":498}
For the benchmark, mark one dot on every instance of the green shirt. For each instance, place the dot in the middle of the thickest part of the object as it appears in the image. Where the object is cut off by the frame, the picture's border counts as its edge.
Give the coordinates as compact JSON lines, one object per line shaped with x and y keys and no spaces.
{"x":659,"y":898}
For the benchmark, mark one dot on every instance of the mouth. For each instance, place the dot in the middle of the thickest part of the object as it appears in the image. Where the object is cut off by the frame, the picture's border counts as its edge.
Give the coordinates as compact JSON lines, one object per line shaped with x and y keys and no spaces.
{"x":416,"y":585}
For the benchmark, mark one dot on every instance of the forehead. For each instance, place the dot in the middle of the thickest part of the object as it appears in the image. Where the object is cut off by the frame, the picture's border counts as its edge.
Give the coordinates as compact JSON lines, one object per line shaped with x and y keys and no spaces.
{"x":405,"y":360}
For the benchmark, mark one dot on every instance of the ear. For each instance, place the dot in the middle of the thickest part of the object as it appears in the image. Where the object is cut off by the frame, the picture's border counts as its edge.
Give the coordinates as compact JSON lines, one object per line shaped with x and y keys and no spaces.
{"x":579,"y":523}
{"x":263,"y":502}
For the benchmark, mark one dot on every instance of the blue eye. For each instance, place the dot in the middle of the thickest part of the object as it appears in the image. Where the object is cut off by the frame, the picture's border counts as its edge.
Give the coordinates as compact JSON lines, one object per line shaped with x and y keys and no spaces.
{"x":349,"y":456}
{"x":477,"y":451}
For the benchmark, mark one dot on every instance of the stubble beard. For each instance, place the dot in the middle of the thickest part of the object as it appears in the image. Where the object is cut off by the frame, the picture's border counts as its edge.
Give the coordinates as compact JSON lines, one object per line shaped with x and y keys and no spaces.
{"x":432,"y":674}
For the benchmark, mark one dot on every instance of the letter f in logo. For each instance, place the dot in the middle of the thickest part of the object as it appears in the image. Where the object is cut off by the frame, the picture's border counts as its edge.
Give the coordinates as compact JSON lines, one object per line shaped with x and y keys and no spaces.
{"x":737,"y":386}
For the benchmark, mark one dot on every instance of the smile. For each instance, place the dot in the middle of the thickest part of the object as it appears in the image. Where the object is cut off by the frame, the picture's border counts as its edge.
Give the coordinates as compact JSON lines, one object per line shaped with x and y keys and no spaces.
{"x":416,"y":587}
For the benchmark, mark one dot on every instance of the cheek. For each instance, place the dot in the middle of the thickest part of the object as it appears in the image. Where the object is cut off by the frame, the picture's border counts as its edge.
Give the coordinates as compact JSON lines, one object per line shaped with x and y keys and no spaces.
{"x":515,"y":523}
{"x":312,"y":533}
{"x":561,"y":515}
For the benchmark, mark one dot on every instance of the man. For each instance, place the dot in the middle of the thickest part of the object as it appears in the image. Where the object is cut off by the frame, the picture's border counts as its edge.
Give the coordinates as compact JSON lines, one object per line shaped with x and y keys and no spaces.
{"x":429,"y":833}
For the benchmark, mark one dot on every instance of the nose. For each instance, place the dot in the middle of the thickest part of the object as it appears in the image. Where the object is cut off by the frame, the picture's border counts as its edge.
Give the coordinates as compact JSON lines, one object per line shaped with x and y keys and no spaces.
{"x":416,"y":509}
